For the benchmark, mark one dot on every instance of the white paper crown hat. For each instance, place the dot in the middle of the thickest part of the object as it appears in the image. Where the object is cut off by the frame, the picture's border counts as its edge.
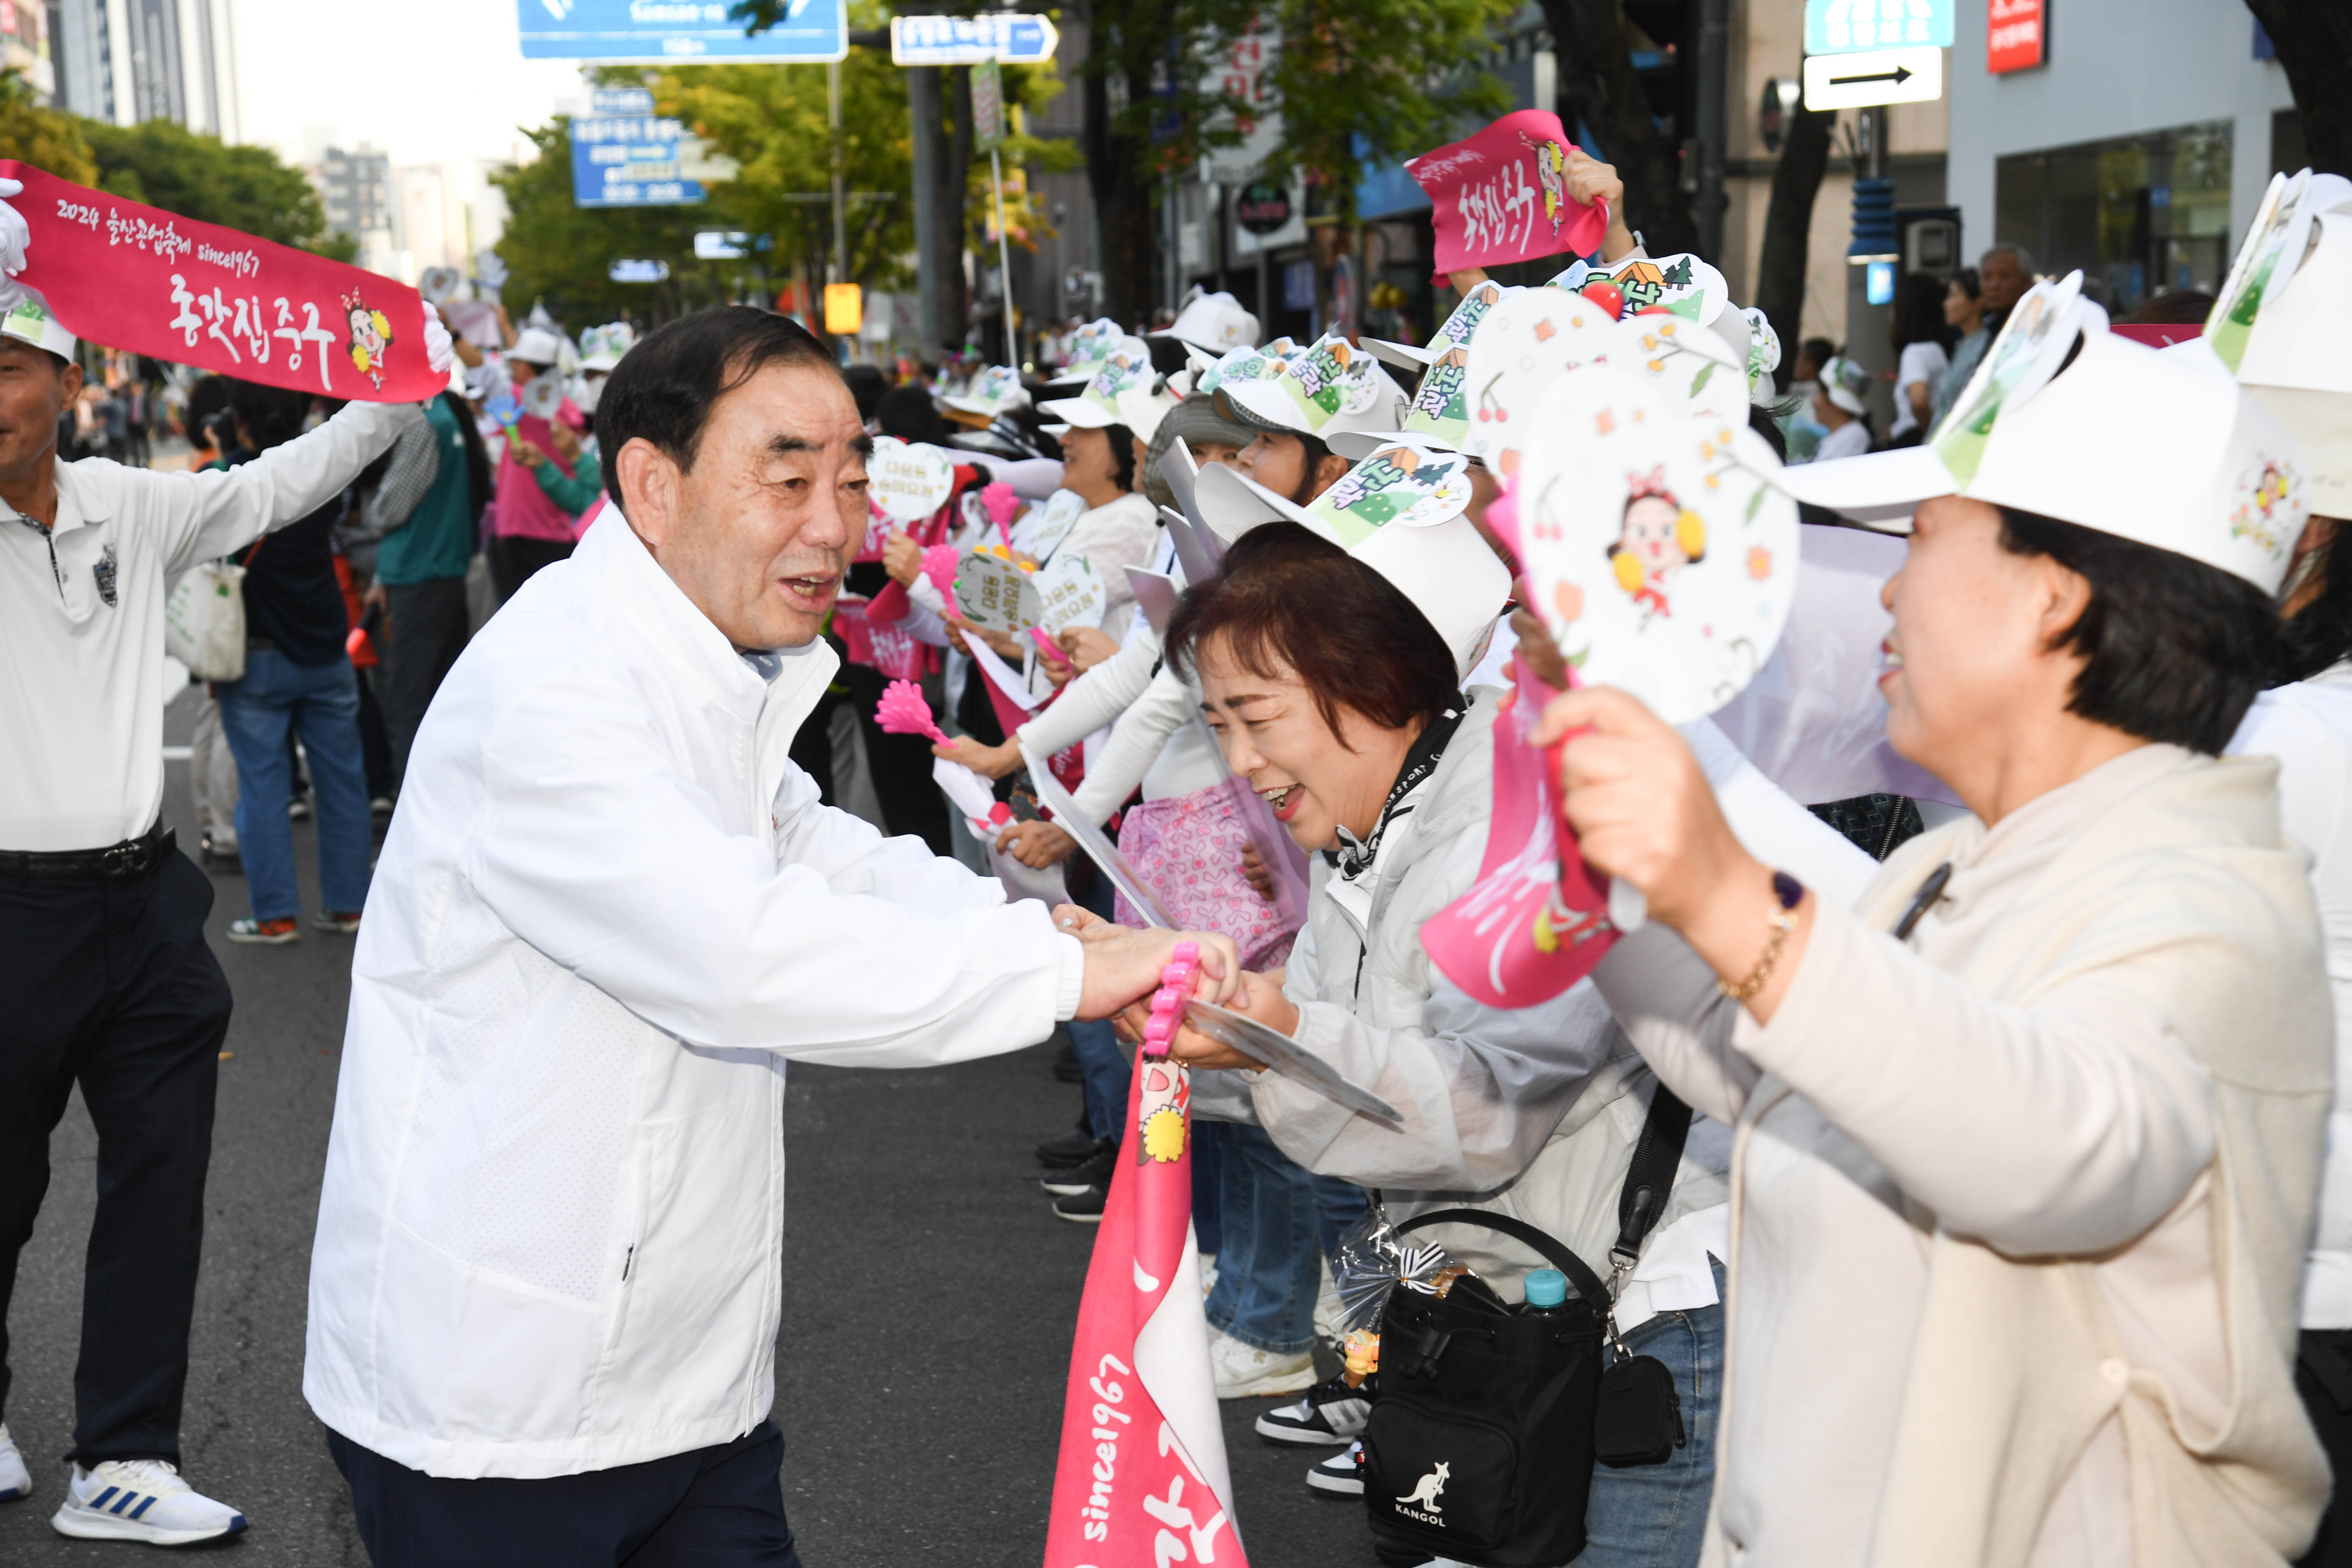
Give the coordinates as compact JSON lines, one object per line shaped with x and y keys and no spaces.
{"x":28,"y":321}
{"x":2298,"y":363}
{"x":536,"y":345}
{"x":1097,"y":407}
{"x":1428,"y":550}
{"x":1215,"y":322}
{"x":600,"y":348}
{"x":2161,"y":448}
{"x":1329,"y":387}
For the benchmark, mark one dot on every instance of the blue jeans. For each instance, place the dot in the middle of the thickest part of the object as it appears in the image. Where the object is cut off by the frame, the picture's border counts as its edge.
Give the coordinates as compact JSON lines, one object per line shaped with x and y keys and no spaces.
{"x":1107,"y":1072}
{"x":1279,"y":1222}
{"x":1654,"y":1516}
{"x":320,"y":702}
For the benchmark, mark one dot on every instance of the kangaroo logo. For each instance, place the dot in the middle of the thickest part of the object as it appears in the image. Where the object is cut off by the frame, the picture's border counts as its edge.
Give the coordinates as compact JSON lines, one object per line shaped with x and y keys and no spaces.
{"x":1424,"y":1491}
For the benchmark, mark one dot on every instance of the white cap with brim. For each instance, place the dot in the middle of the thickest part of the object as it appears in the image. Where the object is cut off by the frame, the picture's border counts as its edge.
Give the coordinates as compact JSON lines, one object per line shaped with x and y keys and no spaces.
{"x":536,"y":345}
{"x":1329,"y":388}
{"x":28,"y":321}
{"x":2163,"y":450}
{"x":1097,"y":407}
{"x":1140,"y":409}
{"x":1456,"y":332}
{"x":1429,"y":551}
{"x":992,"y":392}
{"x":2298,"y":363}
{"x":1214,"y":322}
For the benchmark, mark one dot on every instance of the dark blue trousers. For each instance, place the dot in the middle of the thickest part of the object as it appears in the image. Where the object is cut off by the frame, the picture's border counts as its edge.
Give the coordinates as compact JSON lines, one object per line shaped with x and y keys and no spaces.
{"x":720,"y":1507}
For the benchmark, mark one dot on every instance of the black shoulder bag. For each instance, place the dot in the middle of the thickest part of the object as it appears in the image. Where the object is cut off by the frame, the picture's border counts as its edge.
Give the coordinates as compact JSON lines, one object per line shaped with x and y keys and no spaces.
{"x":1490,"y":1417}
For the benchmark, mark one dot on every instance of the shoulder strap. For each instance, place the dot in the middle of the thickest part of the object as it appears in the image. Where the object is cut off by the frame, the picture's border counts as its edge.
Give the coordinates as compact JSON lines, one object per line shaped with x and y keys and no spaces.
{"x":1587,"y":1284}
{"x":1649,"y":1179}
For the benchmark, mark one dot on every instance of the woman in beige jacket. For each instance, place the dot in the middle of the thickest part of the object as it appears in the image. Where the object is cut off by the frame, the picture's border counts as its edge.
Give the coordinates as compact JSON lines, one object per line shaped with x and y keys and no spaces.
{"x":2026,"y":1145}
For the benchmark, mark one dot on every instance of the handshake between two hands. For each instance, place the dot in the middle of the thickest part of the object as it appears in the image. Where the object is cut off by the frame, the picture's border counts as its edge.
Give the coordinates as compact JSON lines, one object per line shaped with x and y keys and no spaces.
{"x":1123,"y":969}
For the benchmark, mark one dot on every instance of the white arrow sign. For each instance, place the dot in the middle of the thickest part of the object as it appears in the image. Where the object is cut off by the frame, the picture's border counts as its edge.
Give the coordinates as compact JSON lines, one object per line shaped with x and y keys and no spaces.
{"x":1874,"y":77}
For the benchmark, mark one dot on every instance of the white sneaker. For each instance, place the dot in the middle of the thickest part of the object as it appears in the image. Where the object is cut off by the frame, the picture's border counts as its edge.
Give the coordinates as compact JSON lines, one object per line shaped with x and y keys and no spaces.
{"x":15,"y":1480}
{"x":141,"y":1499}
{"x":1245,"y":1371}
{"x":1343,"y":1474}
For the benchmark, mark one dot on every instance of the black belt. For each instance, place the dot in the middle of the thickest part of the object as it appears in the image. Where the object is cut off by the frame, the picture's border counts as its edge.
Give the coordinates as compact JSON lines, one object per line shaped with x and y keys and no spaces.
{"x":131,"y":857}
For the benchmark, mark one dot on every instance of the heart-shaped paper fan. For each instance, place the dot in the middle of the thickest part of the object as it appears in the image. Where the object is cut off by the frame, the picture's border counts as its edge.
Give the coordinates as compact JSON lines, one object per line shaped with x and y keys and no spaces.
{"x":1526,"y":342}
{"x":1656,"y":544}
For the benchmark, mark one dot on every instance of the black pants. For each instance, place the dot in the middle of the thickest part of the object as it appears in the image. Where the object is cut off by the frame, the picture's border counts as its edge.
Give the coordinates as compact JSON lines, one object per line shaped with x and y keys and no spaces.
{"x":714,"y":1507}
{"x":424,"y":631}
{"x":2323,"y":1375}
{"x":514,"y":558}
{"x":901,"y":766}
{"x":107,"y":983}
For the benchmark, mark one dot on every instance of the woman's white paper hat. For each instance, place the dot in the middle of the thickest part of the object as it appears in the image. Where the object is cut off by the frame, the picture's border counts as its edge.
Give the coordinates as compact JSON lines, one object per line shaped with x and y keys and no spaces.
{"x":536,"y":345}
{"x":28,"y":321}
{"x":1215,"y":323}
{"x":1260,"y":364}
{"x":2297,"y":361}
{"x":2160,"y":447}
{"x":1401,"y":511}
{"x":992,"y":392}
{"x":1844,"y":383}
{"x":600,"y":348}
{"x":1127,"y":367}
{"x":1089,"y":346}
{"x":1453,"y":333}
{"x":1332,"y":386}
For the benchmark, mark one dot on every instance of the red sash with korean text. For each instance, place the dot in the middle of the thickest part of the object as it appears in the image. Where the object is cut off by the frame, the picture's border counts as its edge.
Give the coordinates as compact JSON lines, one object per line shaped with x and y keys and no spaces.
{"x":136,"y":278}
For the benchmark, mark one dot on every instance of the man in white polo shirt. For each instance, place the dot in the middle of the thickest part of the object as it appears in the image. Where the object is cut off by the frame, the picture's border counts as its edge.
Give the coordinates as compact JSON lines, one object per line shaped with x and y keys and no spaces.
{"x":107,"y":981}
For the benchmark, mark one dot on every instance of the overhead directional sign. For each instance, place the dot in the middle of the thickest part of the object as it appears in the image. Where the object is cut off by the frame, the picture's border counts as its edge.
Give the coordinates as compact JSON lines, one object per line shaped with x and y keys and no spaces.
{"x":630,"y":161}
{"x":673,"y":31}
{"x":969,"y":40}
{"x":1841,"y":26}
{"x":1881,"y":76}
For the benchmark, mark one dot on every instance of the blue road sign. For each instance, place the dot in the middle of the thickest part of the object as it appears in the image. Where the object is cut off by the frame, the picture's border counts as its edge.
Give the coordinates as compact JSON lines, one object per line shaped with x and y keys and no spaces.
{"x":670,"y":31}
{"x":969,"y":40}
{"x":1845,"y":27}
{"x":610,"y":101}
{"x":630,"y":161}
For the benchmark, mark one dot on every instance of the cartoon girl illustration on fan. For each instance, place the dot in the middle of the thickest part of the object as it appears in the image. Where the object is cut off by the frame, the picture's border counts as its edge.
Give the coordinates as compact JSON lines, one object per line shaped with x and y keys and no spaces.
{"x":371,"y":336}
{"x":1658,"y":538}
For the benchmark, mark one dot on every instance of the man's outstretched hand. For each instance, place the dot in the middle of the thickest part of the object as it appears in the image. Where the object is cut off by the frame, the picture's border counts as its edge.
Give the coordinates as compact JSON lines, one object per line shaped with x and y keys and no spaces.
{"x":14,"y":237}
{"x":1123,"y":965}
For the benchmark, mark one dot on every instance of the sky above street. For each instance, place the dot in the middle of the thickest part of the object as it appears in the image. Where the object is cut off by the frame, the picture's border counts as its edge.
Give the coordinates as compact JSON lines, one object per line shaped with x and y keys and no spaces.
{"x":426,"y":81}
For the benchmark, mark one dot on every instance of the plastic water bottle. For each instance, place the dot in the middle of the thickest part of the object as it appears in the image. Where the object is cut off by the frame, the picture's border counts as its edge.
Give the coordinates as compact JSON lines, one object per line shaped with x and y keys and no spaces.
{"x":1547,"y":1292}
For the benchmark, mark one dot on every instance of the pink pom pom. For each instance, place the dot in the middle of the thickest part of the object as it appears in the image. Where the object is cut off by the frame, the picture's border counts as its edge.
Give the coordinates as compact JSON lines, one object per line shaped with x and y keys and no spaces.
{"x":939,"y":566}
{"x":1503,"y":512}
{"x":1000,"y":502}
{"x":903,"y":711}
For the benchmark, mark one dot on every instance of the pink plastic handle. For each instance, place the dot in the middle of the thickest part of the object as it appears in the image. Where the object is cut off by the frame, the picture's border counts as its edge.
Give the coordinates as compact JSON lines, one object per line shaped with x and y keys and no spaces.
{"x":1048,"y":645}
{"x":1168,"y":1002}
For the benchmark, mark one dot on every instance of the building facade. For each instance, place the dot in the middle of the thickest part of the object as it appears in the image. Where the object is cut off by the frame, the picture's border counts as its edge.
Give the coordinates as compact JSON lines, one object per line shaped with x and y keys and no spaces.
{"x":125,"y":61}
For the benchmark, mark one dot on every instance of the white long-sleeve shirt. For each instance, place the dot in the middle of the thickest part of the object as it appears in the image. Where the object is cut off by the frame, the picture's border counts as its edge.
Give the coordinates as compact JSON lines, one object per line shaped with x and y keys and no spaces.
{"x":81,"y":618}
{"x":608,"y":910}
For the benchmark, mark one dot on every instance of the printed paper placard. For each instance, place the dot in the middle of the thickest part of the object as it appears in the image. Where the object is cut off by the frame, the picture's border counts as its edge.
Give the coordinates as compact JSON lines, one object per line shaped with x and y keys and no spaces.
{"x":1525,"y":345}
{"x":1502,"y":196}
{"x":1656,"y":545}
{"x":1684,"y":285}
{"x":1690,"y":364}
{"x":2031,"y":346}
{"x":2267,"y":258}
{"x":1410,"y":483}
{"x":136,"y":278}
{"x":996,"y":594}
{"x":908,"y":482}
{"x":1070,"y":593}
{"x":1263,"y":362}
{"x":1042,"y":532}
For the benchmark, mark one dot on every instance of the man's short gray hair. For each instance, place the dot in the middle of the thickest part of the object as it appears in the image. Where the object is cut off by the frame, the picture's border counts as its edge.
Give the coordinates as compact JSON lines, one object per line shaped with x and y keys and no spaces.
{"x":2024,"y":257}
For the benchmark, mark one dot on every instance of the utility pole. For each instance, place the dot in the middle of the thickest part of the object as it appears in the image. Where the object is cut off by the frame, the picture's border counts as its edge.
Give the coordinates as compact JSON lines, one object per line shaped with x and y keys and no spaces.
{"x":930,"y":152}
{"x":840,"y":221}
{"x":1713,"y":125}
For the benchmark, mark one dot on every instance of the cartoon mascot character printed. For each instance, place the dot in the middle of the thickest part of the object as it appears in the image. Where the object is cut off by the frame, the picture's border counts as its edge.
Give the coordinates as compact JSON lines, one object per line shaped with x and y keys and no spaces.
{"x":371,"y":337}
{"x":1659,"y":538}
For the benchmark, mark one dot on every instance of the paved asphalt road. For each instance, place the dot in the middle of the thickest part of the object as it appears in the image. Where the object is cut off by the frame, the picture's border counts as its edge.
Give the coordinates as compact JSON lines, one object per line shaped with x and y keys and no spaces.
{"x":930,"y":1295}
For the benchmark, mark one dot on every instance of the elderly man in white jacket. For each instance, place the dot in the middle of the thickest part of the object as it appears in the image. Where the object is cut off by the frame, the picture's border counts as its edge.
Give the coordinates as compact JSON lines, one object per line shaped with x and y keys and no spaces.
{"x":607,"y":913}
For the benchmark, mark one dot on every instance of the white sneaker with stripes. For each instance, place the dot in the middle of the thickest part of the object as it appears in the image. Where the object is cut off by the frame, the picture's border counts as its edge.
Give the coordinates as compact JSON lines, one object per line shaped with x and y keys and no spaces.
{"x":15,"y":1480}
{"x":141,"y":1499}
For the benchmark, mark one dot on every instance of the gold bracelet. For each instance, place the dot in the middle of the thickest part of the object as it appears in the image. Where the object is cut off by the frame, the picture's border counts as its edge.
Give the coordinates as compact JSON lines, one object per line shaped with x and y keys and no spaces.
{"x":1789,"y":893}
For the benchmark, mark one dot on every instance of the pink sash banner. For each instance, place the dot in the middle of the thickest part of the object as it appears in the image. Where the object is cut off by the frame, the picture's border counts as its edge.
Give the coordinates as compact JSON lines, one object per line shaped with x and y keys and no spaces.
{"x":1502,"y":196}
{"x":1142,"y":1481}
{"x":137,"y":277}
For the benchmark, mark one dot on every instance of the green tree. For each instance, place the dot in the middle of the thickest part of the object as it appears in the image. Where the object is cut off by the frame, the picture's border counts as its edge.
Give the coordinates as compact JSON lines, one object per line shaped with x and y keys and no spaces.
{"x":41,"y":137}
{"x":246,"y":188}
{"x":1599,"y":85}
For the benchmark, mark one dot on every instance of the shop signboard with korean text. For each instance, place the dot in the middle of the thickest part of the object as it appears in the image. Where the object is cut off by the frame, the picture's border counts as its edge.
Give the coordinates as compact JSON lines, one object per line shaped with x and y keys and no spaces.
{"x":676,"y":32}
{"x":2016,"y":35}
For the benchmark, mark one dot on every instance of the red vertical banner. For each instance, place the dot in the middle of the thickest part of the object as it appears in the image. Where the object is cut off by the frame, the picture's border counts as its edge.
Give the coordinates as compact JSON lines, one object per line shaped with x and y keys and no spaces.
{"x":1142,"y":1482}
{"x":2015,"y":34}
{"x":137,"y":277}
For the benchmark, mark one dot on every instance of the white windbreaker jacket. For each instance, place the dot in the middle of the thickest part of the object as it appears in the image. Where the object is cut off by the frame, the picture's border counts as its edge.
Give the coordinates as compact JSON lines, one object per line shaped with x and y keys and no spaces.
{"x":608,"y":910}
